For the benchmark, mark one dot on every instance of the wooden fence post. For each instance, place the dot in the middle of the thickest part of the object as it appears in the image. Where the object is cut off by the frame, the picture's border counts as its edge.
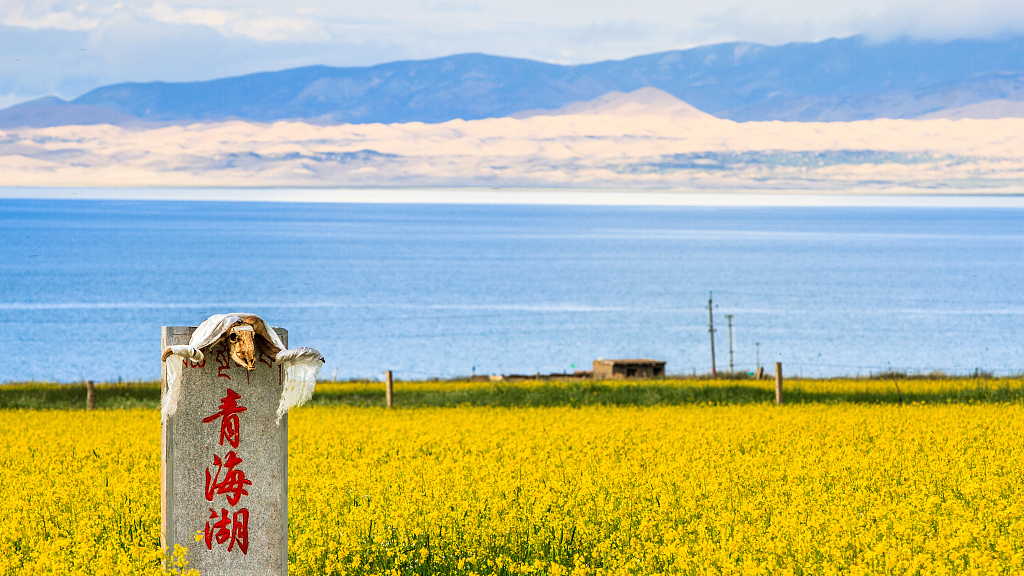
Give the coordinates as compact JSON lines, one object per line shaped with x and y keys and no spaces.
{"x":389,"y":389}
{"x":778,"y":383}
{"x":90,"y":396}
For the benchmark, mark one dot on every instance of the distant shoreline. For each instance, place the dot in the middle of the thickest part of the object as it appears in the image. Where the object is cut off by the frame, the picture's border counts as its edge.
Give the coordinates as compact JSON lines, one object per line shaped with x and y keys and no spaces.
{"x":901,"y":198}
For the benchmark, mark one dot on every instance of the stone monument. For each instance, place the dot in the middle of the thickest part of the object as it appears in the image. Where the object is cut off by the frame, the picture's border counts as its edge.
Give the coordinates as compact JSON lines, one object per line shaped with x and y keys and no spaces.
{"x":224,"y":446}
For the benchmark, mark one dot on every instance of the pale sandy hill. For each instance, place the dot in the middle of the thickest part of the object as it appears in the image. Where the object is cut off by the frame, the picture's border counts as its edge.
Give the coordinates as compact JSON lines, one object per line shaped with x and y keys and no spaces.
{"x":646,"y":139}
{"x":643,"y":102}
{"x":988,"y":110}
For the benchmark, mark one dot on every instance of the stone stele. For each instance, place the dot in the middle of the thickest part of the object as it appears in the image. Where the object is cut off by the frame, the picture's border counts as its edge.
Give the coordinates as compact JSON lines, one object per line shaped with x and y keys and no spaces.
{"x":205,"y":488}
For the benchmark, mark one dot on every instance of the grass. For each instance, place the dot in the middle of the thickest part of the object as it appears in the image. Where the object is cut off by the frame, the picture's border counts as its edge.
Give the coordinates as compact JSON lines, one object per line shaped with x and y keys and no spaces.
{"x":672,"y":391}
{"x":44,"y":395}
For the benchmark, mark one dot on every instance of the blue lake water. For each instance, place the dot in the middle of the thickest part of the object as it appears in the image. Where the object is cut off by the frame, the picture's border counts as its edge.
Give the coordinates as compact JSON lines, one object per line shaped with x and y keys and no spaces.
{"x":443,"y":290}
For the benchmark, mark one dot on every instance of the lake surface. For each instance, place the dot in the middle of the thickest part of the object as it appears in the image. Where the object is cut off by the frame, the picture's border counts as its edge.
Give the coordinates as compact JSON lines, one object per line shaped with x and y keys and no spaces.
{"x":446,"y":290}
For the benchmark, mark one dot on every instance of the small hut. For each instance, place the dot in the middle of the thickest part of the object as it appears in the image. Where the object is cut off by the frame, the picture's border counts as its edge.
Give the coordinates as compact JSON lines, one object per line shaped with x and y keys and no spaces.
{"x":636,"y":368}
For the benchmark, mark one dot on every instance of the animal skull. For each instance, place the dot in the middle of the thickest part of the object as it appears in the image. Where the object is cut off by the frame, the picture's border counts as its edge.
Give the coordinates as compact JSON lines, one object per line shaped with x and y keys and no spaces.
{"x":242,"y":345}
{"x":248,"y":340}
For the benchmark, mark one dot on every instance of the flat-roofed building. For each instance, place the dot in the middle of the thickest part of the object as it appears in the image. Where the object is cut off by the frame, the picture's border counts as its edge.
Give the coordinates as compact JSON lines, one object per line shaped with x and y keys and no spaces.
{"x":633,"y":368}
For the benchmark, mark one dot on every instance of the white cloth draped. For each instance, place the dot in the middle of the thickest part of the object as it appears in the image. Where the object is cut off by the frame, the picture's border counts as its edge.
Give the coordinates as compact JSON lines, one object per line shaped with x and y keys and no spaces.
{"x":301,"y":365}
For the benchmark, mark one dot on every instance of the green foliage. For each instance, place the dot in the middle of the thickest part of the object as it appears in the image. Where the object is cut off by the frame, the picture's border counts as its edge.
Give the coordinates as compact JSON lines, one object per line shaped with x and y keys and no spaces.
{"x":43,"y":395}
{"x":570,"y":392}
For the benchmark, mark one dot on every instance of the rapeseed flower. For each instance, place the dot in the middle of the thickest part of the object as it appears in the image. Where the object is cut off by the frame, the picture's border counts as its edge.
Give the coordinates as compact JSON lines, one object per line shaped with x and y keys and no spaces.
{"x":754,"y":489}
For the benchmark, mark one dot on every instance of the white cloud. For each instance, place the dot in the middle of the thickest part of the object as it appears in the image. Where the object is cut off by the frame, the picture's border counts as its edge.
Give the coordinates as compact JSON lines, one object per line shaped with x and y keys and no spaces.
{"x":258,"y":26}
{"x":271,"y":28}
{"x":945,"y":20}
{"x":587,"y":29}
{"x":20,"y":17}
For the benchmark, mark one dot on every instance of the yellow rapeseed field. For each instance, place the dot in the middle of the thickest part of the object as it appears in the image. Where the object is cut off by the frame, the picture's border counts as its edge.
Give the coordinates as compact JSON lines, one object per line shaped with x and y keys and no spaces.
{"x":755,"y":489}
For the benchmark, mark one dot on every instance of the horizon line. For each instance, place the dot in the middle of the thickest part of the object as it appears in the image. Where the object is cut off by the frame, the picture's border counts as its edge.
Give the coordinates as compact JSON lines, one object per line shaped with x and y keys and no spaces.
{"x":864,"y":198}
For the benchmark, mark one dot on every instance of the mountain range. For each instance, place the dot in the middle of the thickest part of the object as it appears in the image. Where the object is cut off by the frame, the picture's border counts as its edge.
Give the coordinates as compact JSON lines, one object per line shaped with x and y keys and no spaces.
{"x":833,"y":80}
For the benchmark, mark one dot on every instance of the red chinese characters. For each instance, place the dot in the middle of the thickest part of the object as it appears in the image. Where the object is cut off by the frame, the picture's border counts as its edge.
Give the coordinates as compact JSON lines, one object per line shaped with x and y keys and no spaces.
{"x":235,"y":528}
{"x":229,"y":410}
{"x":233,"y":483}
{"x":229,"y":481}
{"x":223,"y":362}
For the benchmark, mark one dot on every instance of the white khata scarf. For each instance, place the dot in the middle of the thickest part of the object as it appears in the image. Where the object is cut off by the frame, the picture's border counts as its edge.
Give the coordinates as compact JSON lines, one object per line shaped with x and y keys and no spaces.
{"x":301,"y":365}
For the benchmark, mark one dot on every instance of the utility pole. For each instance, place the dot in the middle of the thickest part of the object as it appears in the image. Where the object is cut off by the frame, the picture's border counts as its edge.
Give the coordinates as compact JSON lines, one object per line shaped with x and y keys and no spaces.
{"x":729,"y":318}
{"x":711,"y":330}
{"x":758,"y":344}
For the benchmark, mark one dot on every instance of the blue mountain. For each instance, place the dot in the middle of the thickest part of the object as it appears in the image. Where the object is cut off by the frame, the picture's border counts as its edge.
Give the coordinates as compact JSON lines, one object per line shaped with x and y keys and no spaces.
{"x":838,"y":79}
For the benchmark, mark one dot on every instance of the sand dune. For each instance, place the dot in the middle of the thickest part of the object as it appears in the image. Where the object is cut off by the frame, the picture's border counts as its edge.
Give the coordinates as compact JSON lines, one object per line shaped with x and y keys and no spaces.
{"x":638,"y":140}
{"x":643,"y":102}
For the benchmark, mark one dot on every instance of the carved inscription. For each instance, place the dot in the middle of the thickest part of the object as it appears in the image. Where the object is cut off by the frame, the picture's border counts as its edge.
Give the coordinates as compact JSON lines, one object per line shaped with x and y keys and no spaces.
{"x":228,"y":480}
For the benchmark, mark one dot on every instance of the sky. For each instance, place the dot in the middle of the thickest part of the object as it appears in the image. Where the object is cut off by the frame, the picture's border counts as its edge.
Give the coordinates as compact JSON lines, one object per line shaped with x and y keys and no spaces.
{"x":53,"y":47}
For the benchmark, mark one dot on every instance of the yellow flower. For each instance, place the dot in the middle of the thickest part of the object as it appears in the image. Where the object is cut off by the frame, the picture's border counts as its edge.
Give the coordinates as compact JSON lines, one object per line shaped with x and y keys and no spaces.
{"x":753,"y":489}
